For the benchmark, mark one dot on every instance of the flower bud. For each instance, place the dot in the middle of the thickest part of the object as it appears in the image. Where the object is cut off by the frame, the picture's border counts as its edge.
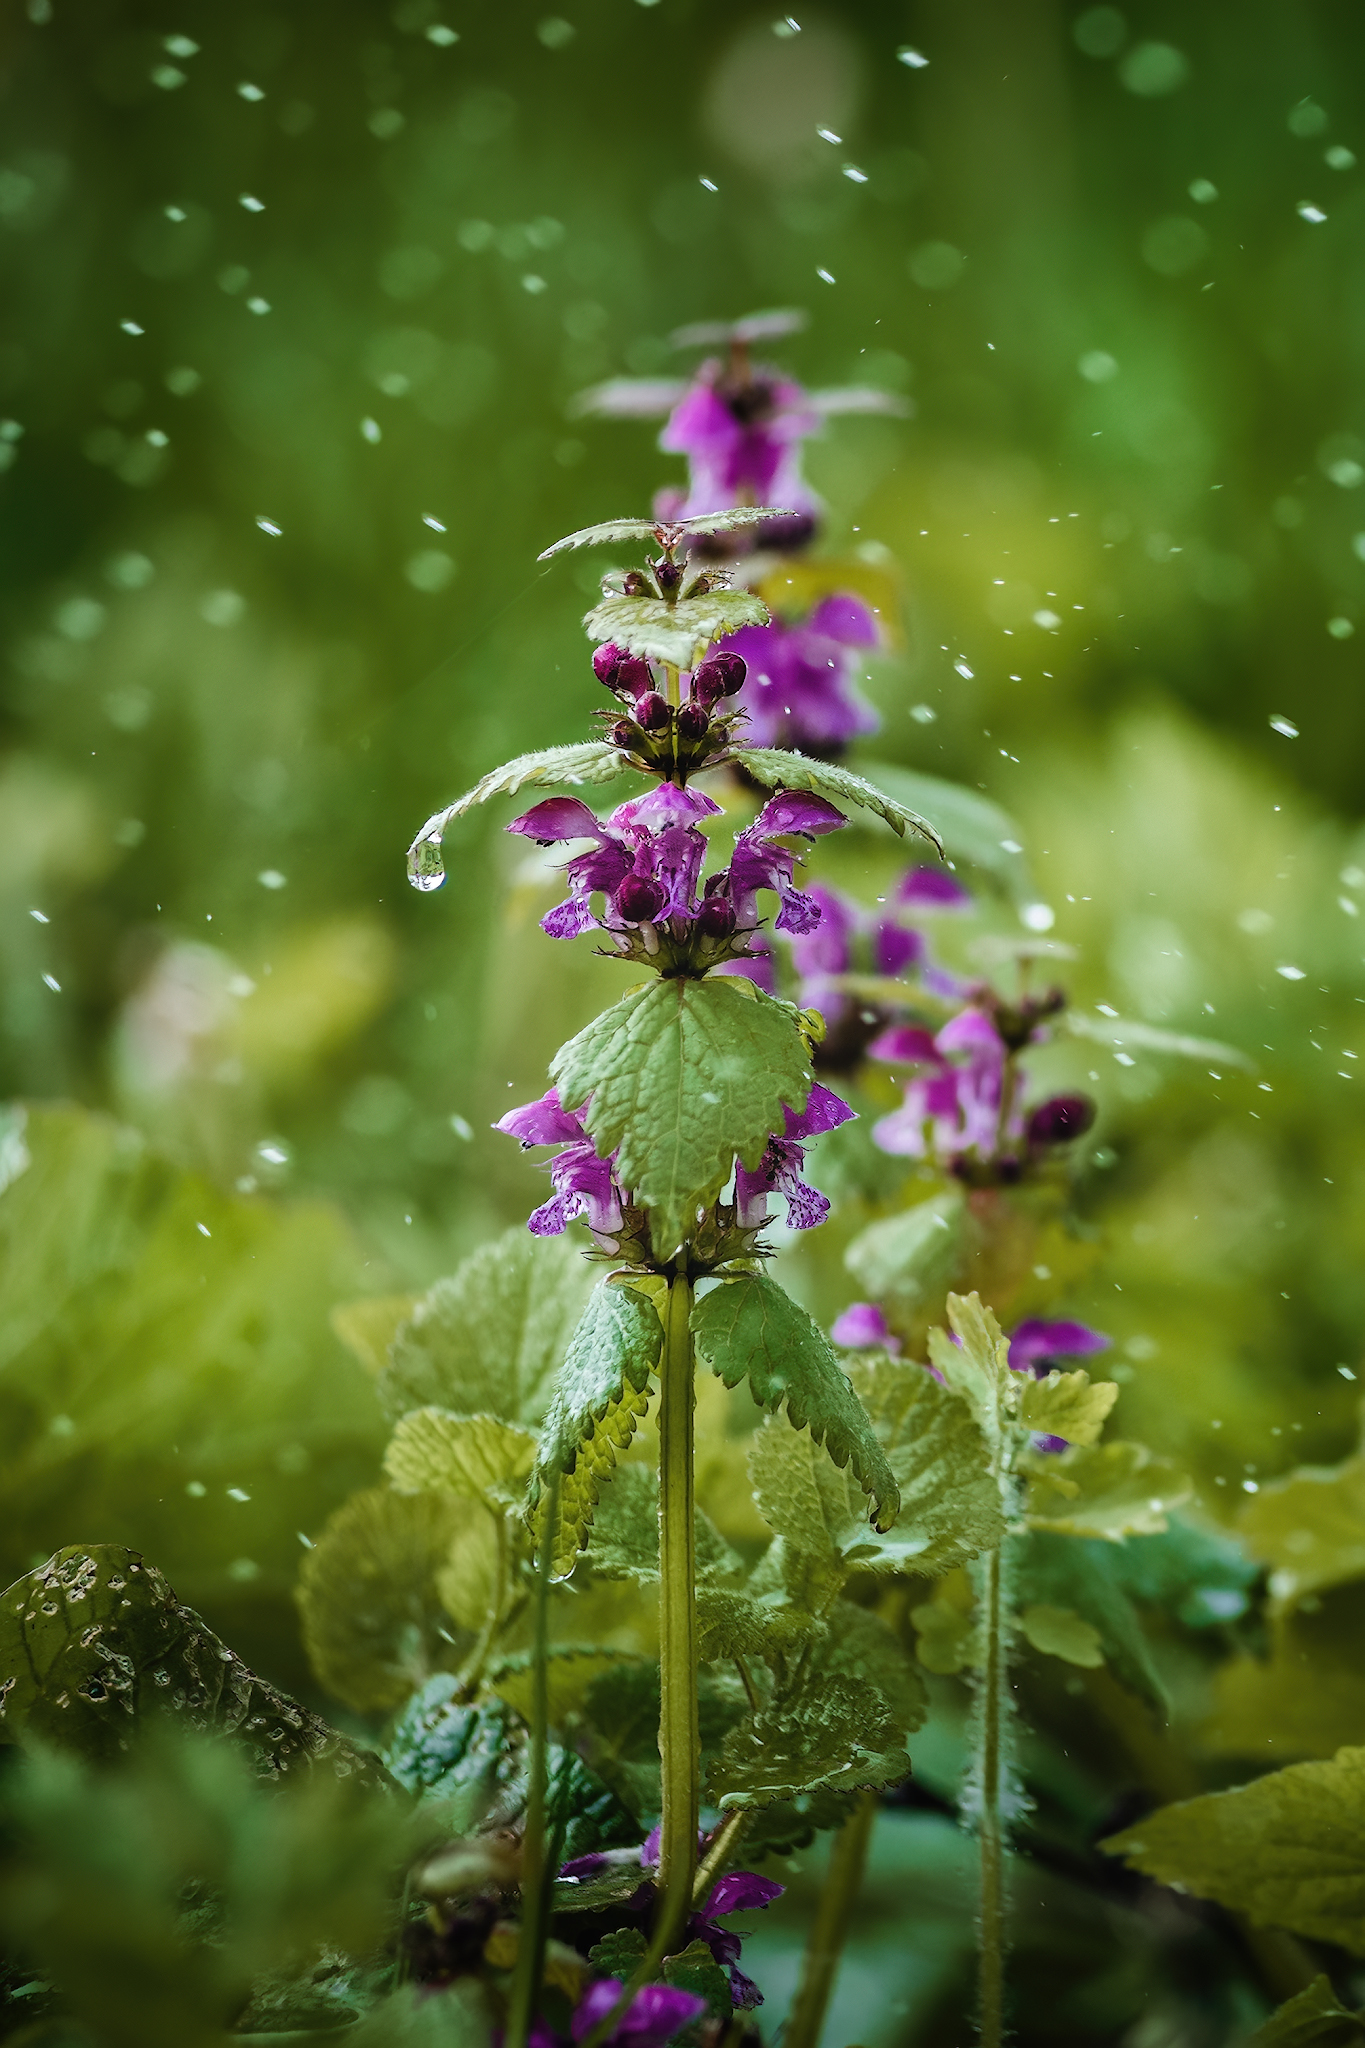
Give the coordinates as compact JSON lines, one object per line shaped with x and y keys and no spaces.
{"x":638,"y":899}
{"x":721,"y":675}
{"x":668,"y":575}
{"x":715,"y":919}
{"x":1060,"y":1119}
{"x":606,"y":661}
{"x":694,"y":722}
{"x":626,"y":734}
{"x":633,"y":677}
{"x":633,"y":584}
{"x":652,"y":711}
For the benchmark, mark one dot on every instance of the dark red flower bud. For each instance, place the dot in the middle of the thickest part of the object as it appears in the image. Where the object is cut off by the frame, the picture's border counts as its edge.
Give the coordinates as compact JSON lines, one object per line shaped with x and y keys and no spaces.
{"x":668,"y":575}
{"x":694,"y":722}
{"x":715,"y":919}
{"x":1060,"y":1119}
{"x":626,"y":734}
{"x":638,"y":898}
{"x":721,"y":675}
{"x":652,"y":711}
{"x":606,"y":661}
{"x":633,"y":677}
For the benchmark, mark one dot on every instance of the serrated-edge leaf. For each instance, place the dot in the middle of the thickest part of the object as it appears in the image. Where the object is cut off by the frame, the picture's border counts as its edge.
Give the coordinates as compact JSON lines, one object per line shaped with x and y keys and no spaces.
{"x":950,"y":1497}
{"x":977,"y":1366}
{"x":433,"y":1450}
{"x":683,"y":1077}
{"x":748,"y":1328}
{"x":673,"y":633}
{"x":600,"y":1395}
{"x":971,"y":826}
{"x":1056,"y":1570}
{"x":824,"y":1732}
{"x":590,"y":762}
{"x":610,"y":531}
{"x":1316,"y":2018}
{"x":1067,"y":1404}
{"x":777,"y":769}
{"x":1108,"y":1490}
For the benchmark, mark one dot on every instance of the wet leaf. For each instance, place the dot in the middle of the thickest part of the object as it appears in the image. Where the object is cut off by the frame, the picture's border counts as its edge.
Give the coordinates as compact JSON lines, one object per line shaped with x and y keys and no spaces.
{"x":1060,"y":1632}
{"x":1085,"y":1577}
{"x":591,"y":762}
{"x":823,"y":1733}
{"x":611,"y":531}
{"x":945,"y":1626}
{"x":625,"y":1537}
{"x":748,"y":1328}
{"x":1315,"y":2019}
{"x":977,"y":1366}
{"x":695,"y":1969}
{"x":1309,"y":1528}
{"x":683,"y":1076}
{"x":95,"y":1646}
{"x":777,"y":769}
{"x":677,"y":633}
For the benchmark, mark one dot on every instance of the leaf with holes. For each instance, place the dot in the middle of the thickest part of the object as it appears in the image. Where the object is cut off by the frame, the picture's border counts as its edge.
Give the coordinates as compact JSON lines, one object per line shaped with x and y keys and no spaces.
{"x":682,"y":1076}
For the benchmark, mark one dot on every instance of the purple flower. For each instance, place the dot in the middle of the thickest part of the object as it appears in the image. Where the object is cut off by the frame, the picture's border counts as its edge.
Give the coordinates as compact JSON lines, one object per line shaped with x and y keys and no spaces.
{"x":779,"y":1170}
{"x":741,"y":429}
{"x":956,"y":1105}
{"x":1061,"y":1119}
{"x":760,"y":861}
{"x":584,"y":1184}
{"x":926,"y":888}
{"x":1037,"y":1347}
{"x":863,"y":1327}
{"x":653,"y":2018}
{"x":799,"y":691}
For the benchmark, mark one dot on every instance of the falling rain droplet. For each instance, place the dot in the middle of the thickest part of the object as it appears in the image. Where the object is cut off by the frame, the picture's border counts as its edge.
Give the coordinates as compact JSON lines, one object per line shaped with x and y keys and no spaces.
{"x":426,"y":869}
{"x":1278,"y":723}
{"x":1307,"y":211}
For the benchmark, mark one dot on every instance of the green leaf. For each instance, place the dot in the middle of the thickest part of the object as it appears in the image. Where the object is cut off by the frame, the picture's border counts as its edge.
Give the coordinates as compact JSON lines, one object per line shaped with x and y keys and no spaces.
{"x":600,"y":1395}
{"x":977,"y":1366}
{"x":1315,"y":2019}
{"x":611,"y":531}
{"x":590,"y":762}
{"x":821,"y":1515}
{"x":440,"y":1744}
{"x":473,"y":1582}
{"x":489,"y":1340}
{"x":969,"y":825}
{"x":1060,"y":1632}
{"x":860,"y":1647}
{"x":777,"y":769}
{"x":433,"y":1451}
{"x":824,"y":1732}
{"x":1086,"y":1578}
{"x":730,"y":1624}
{"x":748,"y":1328}
{"x":625,"y":1537}
{"x":1288,"y":1850}
{"x":945,"y":1626}
{"x":374,"y":1624}
{"x":619,"y":1953}
{"x":677,"y":633}
{"x":95,"y":1645}
{"x":684,"y":1075}
{"x":1200,"y":1575}
{"x":950,"y":1500}
{"x":367,"y":1327}
{"x":1309,"y":1528}
{"x":1151,"y":1038}
{"x":1067,"y":1404}
{"x":1111,"y":1490}
{"x":908,"y":1259}
{"x":695,"y":1969}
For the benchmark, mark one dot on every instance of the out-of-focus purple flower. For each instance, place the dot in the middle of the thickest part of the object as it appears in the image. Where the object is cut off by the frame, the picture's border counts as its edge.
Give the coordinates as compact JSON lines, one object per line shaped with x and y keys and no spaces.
{"x":926,"y":888}
{"x":800,"y":691}
{"x":1060,"y":1120}
{"x":1037,"y":1346}
{"x":779,"y":1170}
{"x":655,"y":2016}
{"x":741,"y":433}
{"x":647,"y":858}
{"x":956,"y":1105}
{"x":584,"y":1184}
{"x":863,"y":1327}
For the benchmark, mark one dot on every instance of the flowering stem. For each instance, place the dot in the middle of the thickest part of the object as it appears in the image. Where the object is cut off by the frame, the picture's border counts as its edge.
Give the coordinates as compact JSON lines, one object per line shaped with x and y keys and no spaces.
{"x":991,"y":1982}
{"x":825,"y":1947}
{"x":719,"y":1853}
{"x":679,"y":1731}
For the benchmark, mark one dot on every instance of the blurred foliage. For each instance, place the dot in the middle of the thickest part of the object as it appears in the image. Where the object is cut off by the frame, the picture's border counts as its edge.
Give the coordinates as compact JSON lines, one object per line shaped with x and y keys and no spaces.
{"x":295,"y":318}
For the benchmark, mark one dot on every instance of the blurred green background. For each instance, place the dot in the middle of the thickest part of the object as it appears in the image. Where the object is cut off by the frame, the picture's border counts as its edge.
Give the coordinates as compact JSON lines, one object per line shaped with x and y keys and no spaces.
{"x":296,"y":301}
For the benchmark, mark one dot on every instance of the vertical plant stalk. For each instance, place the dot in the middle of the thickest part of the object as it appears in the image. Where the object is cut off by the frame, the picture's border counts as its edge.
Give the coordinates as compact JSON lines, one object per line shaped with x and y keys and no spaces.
{"x":535,"y":1869}
{"x":991,"y":1982}
{"x":825,"y":1946}
{"x":679,"y":1730}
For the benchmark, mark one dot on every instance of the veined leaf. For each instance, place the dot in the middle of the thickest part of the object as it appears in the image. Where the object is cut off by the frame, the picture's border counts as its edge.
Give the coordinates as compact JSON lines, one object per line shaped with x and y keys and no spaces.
{"x":474,"y":1582}
{"x":695,"y":1969}
{"x":1309,"y":1527}
{"x":600,"y":1395}
{"x":1061,"y":1632}
{"x":821,"y":1514}
{"x":367,"y":1327}
{"x":1315,"y":2019}
{"x":908,"y":1258}
{"x":684,"y":1075}
{"x":488,"y":1341}
{"x":1111,"y":1490}
{"x":748,"y":1328}
{"x":625,"y":1537}
{"x":826,"y":1732}
{"x":374,"y":1624}
{"x":1067,"y":1404}
{"x":860,"y":1647}
{"x":610,"y":532}
{"x":730,"y":1624}
{"x":1287,"y":1850}
{"x":970,"y":826}
{"x":777,"y":769}
{"x":950,"y":1500}
{"x":95,"y":1645}
{"x":1086,"y":1578}
{"x":433,"y":1451}
{"x":591,"y":761}
{"x":977,"y":1366}
{"x":676,"y":633}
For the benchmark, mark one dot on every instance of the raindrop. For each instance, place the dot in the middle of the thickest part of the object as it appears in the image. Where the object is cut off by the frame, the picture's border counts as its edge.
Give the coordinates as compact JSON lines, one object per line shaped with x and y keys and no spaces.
{"x":827,"y":276}
{"x":858,"y":177}
{"x":462,"y":1128}
{"x":1339,"y":158}
{"x":40,"y":917}
{"x":914,"y":59}
{"x":203,"y":1230}
{"x":131,"y":327}
{"x":1038,"y":917}
{"x":426,"y":869}
{"x":179,"y":46}
{"x":175,"y":213}
{"x":1279,"y":723}
{"x":1341,"y":628}
{"x":1202,"y":191}
{"x":442,"y":35}
{"x":1097,"y":366}
{"x":51,"y":982}
{"x":1049,"y":621}
{"x":269,"y":526}
{"x":1289,"y":974}
{"x":271,"y":878}
{"x":1307,"y":211}
{"x":251,"y":202}
{"x":1010,"y":846}
{"x":371,"y":431}
{"x":236,"y":1493}
{"x":556,"y":33}
{"x":1153,"y":69}
{"x":258,"y":305}
{"x":1307,"y":118}
{"x":248,"y":91}
{"x":828,"y":135}
{"x":168,"y":77}
{"x":963,"y":670}
{"x":923,"y":714}
{"x":709,"y":183}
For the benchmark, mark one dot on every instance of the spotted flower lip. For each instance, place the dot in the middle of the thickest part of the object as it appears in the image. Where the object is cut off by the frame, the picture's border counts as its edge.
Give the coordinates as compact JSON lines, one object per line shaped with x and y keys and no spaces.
{"x":779,"y":1170}
{"x":800,"y":690}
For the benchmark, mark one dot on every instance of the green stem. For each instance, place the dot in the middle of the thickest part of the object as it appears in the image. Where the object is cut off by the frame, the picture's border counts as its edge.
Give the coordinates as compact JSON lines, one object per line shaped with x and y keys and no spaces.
{"x":719,"y":1853}
{"x":825,"y":1946}
{"x":679,"y":1730}
{"x":991,"y":1989}
{"x":535,"y":1890}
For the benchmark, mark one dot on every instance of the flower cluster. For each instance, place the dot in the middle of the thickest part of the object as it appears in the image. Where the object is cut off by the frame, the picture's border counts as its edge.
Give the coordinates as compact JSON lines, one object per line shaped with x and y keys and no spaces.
{"x":586,"y":1188}
{"x":646,"y":860}
{"x":671,"y":739}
